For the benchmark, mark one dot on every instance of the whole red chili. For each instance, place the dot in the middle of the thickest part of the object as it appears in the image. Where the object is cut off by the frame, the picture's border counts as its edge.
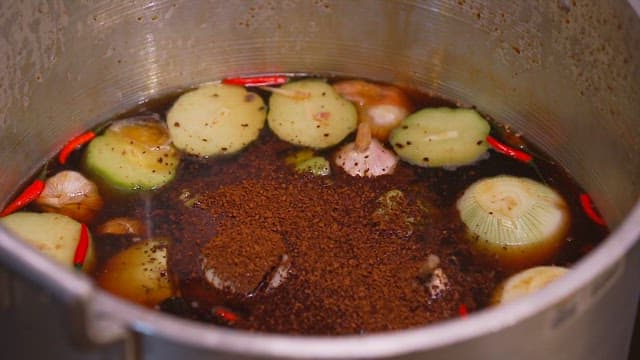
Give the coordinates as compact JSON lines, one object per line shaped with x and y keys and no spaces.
{"x":587,"y":207}
{"x":226,"y":315}
{"x":81,"y":249}
{"x":29,"y":194}
{"x":257,"y":81}
{"x":462,"y":310}
{"x":74,"y":144}
{"x":508,"y":150}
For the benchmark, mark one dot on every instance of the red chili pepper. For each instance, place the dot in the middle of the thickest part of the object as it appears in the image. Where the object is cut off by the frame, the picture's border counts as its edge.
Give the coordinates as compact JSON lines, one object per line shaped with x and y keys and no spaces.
{"x":27,"y":196}
{"x":226,"y":315}
{"x":73,"y":144}
{"x":462,"y":310}
{"x":257,"y":81}
{"x":585,"y":249}
{"x":81,"y":249}
{"x":587,"y":206}
{"x":508,"y":150}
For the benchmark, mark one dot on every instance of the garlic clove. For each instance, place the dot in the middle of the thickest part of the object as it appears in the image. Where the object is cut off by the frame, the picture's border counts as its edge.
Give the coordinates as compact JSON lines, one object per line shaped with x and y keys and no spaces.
{"x":366,"y":156}
{"x":372,"y":162}
{"x":70,"y":193}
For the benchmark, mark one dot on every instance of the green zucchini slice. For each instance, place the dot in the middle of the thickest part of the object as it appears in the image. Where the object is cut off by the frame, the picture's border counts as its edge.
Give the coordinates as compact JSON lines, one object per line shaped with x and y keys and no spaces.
{"x":133,"y":154}
{"x":55,"y":235}
{"x":216,"y":119}
{"x":436,"y":137}
{"x":311,"y":113}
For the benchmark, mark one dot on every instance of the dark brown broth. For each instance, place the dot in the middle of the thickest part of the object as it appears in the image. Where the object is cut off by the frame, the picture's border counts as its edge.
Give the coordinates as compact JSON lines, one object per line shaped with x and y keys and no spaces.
{"x":446,"y":184}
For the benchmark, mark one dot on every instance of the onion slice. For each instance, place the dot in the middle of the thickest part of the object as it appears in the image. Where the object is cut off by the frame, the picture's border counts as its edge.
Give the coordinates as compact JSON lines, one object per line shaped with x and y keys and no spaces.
{"x":526,"y":282}
{"x":518,"y":220}
{"x":139,"y":273}
{"x":383,"y":107}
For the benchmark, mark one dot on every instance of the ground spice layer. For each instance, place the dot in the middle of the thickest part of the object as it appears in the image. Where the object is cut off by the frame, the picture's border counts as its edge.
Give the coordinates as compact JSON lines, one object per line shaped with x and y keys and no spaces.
{"x":360,"y":253}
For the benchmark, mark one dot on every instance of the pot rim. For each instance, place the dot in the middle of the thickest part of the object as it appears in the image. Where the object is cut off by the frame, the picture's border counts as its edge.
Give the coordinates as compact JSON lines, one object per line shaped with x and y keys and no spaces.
{"x":153,"y":323}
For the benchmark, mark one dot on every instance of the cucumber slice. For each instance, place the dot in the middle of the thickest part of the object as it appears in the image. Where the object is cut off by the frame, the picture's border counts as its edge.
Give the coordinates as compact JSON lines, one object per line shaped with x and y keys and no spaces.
{"x":311,"y":113}
{"x":216,"y":119}
{"x":526,"y":282}
{"x":55,"y":235}
{"x":133,"y":154}
{"x":441,"y":137}
{"x":518,"y":220}
{"x":139,"y":273}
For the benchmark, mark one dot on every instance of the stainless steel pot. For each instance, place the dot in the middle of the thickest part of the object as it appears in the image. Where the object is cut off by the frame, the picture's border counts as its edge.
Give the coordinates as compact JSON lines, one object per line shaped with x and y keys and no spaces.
{"x":565,"y":73}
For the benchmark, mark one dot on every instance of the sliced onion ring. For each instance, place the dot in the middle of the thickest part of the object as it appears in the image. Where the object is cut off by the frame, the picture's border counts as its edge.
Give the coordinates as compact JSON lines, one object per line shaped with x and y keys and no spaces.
{"x":518,"y":220}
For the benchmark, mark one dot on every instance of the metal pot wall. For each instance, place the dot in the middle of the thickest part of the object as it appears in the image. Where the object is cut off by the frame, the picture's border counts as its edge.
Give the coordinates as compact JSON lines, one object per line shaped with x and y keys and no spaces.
{"x":565,"y":73}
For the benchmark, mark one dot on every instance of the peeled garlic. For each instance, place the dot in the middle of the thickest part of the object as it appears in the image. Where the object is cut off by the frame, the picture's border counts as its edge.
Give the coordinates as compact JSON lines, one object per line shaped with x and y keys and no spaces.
{"x":366,"y":156}
{"x":69,"y":193}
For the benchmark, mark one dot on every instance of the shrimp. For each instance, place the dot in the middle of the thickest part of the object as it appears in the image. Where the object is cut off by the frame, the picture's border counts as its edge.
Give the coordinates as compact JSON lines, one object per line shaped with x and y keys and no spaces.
{"x":383,"y":107}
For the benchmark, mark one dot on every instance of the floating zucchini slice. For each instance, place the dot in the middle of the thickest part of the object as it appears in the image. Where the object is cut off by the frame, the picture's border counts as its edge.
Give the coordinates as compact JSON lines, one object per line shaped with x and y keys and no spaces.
{"x":310,"y":113}
{"x":519,"y":220}
{"x":441,"y":137}
{"x":55,"y":235}
{"x":139,"y":273}
{"x":216,"y":119}
{"x":133,"y":154}
{"x":526,"y":282}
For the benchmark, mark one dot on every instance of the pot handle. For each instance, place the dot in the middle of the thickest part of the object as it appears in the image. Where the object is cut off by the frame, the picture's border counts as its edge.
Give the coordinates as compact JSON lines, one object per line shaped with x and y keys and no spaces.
{"x":92,"y":327}
{"x":90,"y":324}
